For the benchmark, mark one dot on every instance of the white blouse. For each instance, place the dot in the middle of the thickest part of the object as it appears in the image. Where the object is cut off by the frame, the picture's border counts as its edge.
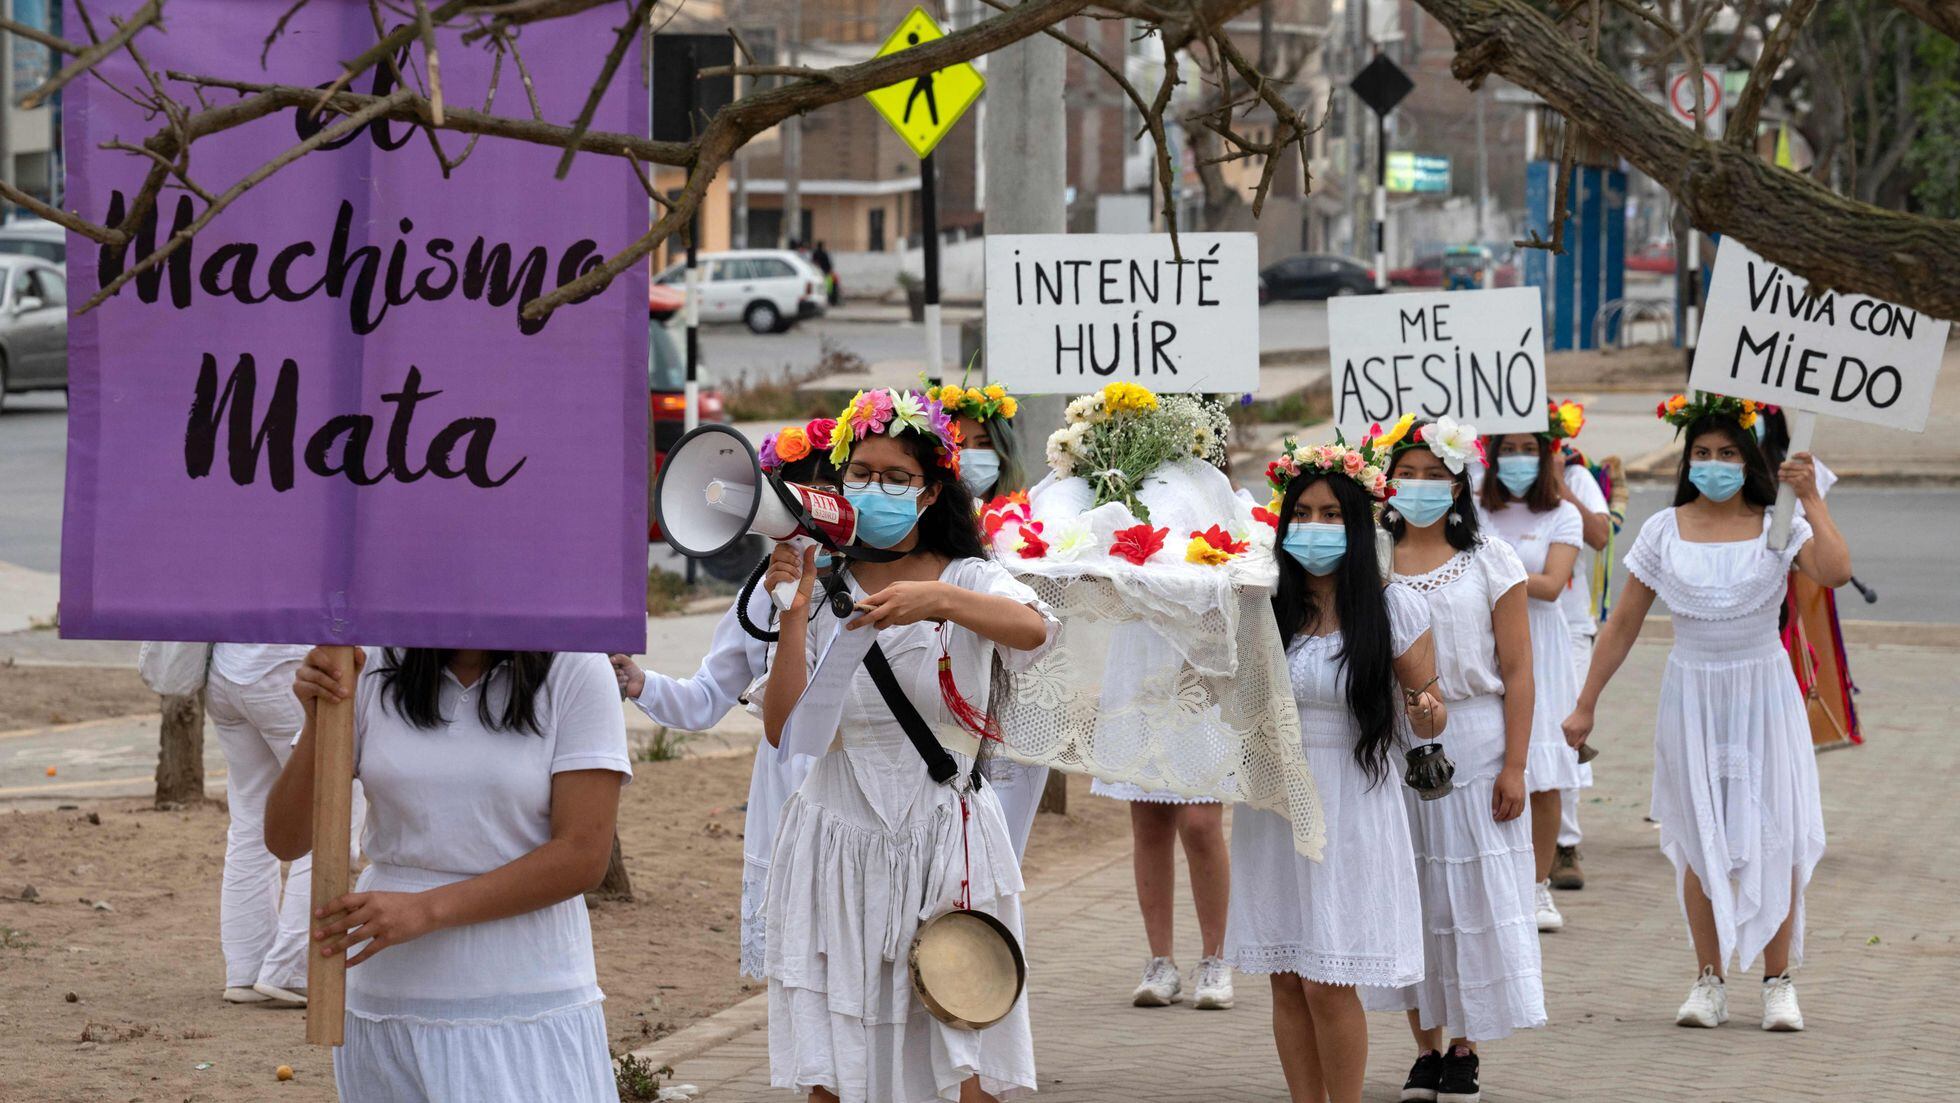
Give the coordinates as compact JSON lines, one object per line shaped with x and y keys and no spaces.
{"x":734,"y":662}
{"x":1461,"y":594}
{"x":1532,"y":535}
{"x":1319,"y":669}
{"x":1724,"y":580}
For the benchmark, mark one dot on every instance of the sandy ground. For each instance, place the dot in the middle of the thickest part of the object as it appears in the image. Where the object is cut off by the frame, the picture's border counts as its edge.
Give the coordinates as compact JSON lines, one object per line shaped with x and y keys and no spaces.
{"x":42,"y":696}
{"x":124,"y":1004}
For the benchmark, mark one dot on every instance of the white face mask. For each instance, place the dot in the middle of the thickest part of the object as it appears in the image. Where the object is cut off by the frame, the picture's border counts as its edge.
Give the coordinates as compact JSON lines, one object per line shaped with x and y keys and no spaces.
{"x":979,"y":470}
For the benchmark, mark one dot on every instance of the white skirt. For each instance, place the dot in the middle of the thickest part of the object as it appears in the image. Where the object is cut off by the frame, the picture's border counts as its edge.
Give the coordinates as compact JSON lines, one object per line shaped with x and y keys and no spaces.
{"x":558,"y":1056}
{"x":771,"y":781}
{"x":1482,"y":976}
{"x":1355,"y":917}
{"x":1019,"y":787}
{"x":1131,"y":791}
{"x":845,"y":898}
{"x":1550,"y":763}
{"x":1735,"y":780}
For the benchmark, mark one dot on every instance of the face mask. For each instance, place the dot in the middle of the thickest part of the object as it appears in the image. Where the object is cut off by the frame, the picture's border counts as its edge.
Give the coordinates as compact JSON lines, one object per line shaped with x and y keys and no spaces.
{"x":1316,"y":546}
{"x":825,"y":561}
{"x":979,"y":470}
{"x":883,"y":519}
{"x":1717,"y":480}
{"x":1517,"y":473}
{"x":1422,"y":502}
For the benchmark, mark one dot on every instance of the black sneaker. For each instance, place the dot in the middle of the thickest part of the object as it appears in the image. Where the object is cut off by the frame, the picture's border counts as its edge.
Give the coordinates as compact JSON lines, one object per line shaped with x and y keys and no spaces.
{"x":1459,"y":1081}
{"x":1424,"y":1077}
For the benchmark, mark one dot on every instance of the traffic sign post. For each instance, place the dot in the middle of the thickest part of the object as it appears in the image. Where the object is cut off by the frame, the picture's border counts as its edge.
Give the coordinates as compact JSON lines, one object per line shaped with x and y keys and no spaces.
{"x":1381,"y":84}
{"x":921,"y":111}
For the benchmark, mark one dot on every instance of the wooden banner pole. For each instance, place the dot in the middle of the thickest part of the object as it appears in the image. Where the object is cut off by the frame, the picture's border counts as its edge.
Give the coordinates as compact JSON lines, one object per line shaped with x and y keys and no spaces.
{"x":1802,"y":426}
{"x":333,"y":800}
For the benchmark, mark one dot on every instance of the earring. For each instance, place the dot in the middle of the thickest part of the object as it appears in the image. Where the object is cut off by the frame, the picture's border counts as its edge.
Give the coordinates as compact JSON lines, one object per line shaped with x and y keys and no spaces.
{"x":1391,"y":516}
{"x":1455,"y":518}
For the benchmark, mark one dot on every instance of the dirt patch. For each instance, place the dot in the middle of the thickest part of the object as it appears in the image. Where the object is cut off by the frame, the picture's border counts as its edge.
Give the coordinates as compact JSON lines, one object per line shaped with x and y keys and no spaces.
{"x":146,"y":973}
{"x":1657,"y":368}
{"x":43,"y":696}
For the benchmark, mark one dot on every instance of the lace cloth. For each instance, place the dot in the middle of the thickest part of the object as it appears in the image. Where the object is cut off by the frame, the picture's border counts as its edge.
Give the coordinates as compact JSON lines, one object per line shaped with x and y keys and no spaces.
{"x":1169,"y":675}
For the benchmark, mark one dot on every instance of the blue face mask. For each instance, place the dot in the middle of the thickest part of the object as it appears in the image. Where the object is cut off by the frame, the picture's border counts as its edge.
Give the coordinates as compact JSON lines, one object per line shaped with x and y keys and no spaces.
{"x":1422,"y":502}
{"x":979,"y":470}
{"x":1316,"y":546}
{"x":825,"y":561}
{"x":1517,"y":473}
{"x":1717,"y":480}
{"x":884,"y":519}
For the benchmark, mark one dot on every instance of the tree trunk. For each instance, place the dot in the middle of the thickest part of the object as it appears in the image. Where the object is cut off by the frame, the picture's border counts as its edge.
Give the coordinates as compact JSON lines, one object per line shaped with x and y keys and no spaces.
{"x":616,"y":886}
{"x":180,"y":751}
{"x":1054,"y":796}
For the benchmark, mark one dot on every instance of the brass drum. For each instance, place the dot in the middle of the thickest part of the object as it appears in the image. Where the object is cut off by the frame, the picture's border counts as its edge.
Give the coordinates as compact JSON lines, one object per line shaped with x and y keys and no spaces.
{"x":967,"y":969}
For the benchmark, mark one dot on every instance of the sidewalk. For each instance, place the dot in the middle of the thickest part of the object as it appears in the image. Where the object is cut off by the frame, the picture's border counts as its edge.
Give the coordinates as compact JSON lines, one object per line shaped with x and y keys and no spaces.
{"x":1882,"y":938}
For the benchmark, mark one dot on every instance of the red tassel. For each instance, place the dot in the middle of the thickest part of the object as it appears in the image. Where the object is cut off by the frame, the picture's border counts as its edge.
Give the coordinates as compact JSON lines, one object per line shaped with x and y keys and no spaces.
{"x":972,"y":719}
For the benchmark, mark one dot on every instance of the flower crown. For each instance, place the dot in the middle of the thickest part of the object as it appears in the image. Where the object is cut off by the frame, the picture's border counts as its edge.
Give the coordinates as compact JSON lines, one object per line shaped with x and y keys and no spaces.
{"x":1452,"y":443}
{"x":1367,"y":464}
{"x":1682,"y":411}
{"x":979,"y":403}
{"x":891,"y":412}
{"x":794,"y":442}
{"x":1563,"y":420}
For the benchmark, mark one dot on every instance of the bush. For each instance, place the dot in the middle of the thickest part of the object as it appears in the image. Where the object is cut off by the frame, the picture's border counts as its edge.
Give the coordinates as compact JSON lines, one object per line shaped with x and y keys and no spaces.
{"x":664,"y":745}
{"x":789,"y":397}
{"x":638,"y":1079}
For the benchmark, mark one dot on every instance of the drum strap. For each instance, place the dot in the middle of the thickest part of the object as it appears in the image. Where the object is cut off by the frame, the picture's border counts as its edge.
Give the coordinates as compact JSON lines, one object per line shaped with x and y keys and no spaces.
{"x":939,"y":761}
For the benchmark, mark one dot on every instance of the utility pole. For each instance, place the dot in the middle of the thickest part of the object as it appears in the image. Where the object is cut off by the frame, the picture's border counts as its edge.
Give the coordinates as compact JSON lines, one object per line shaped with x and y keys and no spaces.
{"x":1026,"y":141}
{"x":1483,"y":172}
{"x":6,"y":102}
{"x":738,"y":198}
{"x":793,"y":142}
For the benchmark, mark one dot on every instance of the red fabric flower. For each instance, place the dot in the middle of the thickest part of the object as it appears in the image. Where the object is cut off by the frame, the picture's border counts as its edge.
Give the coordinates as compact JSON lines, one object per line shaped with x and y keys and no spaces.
{"x":819,"y":430}
{"x":1031,"y":545}
{"x":1222,"y":540}
{"x":1265,"y":517}
{"x":1137,"y":543}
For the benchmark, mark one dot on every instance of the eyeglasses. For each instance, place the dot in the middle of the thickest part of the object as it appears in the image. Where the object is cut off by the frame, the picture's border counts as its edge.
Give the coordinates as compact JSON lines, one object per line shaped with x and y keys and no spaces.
{"x":895,"y":481}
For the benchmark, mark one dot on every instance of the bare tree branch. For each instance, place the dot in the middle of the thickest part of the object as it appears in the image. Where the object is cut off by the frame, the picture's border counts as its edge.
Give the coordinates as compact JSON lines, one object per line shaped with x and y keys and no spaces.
{"x":1742,"y":120}
{"x":1941,"y":15}
{"x":629,"y":32}
{"x":84,"y":61}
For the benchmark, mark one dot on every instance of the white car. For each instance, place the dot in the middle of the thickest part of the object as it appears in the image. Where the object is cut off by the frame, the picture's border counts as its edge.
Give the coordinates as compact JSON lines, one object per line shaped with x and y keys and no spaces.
{"x":33,"y":326}
{"x":35,"y":237}
{"x":769,"y":289}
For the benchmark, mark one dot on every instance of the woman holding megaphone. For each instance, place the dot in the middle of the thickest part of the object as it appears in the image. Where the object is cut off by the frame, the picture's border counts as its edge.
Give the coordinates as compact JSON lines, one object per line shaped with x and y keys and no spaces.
{"x":871,"y":844}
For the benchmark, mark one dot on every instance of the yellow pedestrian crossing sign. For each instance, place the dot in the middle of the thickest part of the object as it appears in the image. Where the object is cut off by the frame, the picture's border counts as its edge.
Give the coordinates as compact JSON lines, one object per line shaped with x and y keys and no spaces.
{"x":923,"y":109}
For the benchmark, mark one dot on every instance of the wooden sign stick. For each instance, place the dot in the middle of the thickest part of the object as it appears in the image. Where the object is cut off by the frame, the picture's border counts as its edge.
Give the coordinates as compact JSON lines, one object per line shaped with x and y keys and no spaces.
{"x":333,"y":810}
{"x":1803,"y":425}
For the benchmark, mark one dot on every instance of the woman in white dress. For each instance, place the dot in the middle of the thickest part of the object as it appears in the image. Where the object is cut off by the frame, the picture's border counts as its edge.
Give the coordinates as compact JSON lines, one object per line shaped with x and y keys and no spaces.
{"x":1735,"y":779}
{"x":871,"y":845}
{"x":1473,"y":851}
{"x":990,"y":466}
{"x":1354,"y":648}
{"x":1523,"y":505}
{"x":731,"y":674}
{"x":493,"y":782}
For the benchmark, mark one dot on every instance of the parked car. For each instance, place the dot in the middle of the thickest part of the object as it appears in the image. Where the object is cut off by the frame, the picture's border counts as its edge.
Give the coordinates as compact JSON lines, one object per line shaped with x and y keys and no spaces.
{"x":667,"y":410}
{"x":1656,"y":257}
{"x":1427,"y":272}
{"x":1315,"y":276}
{"x":33,"y":326}
{"x":35,"y":237}
{"x":769,"y":289}
{"x":664,"y":300}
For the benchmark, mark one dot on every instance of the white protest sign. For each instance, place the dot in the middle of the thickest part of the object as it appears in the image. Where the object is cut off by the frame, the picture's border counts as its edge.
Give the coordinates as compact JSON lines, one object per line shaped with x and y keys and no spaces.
{"x":1067,"y":313}
{"x":1475,"y":356}
{"x":1849,"y":356}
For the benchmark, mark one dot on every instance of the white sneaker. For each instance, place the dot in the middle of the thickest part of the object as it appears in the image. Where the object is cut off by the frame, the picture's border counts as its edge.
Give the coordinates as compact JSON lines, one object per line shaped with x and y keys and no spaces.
{"x":1549,"y":918}
{"x":243,"y":995}
{"x":280,"y":997}
{"x":1161,"y":985}
{"x":1214,"y":985}
{"x":1708,"y":1002}
{"x":1780,"y":1004}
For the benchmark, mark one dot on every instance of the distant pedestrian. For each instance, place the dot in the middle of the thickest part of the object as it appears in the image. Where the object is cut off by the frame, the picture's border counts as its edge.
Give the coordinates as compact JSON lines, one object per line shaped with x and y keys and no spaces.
{"x":493,"y":779}
{"x":262,"y":918}
{"x":820,"y":257}
{"x":1735,"y":778}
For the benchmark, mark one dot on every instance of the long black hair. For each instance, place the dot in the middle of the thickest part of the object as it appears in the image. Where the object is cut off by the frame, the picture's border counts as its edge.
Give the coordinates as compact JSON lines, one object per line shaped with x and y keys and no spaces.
{"x":1460,"y":528}
{"x":1367,"y":646}
{"x":1758,"y":481}
{"x":411,"y":683}
{"x":1542,"y":496}
{"x":948,"y":527}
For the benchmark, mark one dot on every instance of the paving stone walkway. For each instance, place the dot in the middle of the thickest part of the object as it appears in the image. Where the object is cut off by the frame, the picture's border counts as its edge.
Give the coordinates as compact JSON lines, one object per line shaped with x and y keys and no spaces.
{"x":1877,"y":990}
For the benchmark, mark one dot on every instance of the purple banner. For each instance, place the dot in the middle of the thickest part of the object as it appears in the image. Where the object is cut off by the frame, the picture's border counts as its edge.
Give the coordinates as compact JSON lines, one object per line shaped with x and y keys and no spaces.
{"x":322,"y":420}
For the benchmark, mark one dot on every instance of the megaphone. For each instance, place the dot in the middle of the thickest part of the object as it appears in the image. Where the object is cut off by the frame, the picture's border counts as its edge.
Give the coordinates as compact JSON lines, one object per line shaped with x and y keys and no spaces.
{"x":712,"y":492}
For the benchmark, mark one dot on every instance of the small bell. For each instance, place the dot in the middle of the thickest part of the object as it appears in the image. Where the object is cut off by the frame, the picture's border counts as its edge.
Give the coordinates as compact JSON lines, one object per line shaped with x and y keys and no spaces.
{"x":1430,"y":771}
{"x":1587,"y":752}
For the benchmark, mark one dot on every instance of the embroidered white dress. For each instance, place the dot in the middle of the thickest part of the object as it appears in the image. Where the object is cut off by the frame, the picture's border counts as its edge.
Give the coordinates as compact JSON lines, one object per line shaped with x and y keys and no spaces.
{"x":732,"y":673}
{"x":1481,"y":967}
{"x":1735,"y":778}
{"x":1355,"y":917}
{"x":1148,"y":646}
{"x":1552,"y":763}
{"x":868,"y":848}
{"x":506,"y":1011}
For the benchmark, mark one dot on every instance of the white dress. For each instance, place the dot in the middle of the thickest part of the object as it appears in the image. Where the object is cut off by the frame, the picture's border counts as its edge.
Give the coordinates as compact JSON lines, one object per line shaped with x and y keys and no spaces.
{"x":1355,"y":917}
{"x":732,"y":673}
{"x":1480,"y":930}
{"x":868,"y":848}
{"x":1552,"y":763}
{"x":1735,"y":778}
{"x":507,"y":1010}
